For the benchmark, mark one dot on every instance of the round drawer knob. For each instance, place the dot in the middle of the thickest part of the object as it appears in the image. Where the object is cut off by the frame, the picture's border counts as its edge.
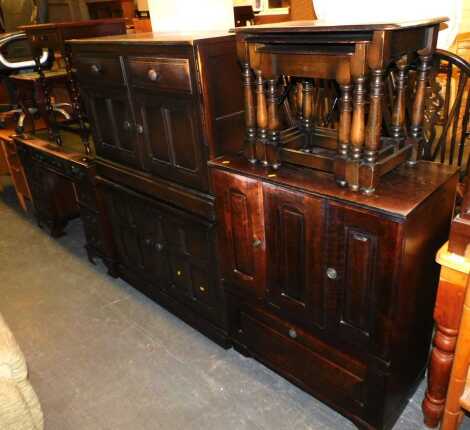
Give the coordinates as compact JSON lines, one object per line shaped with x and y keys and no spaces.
{"x":139,"y":128}
{"x":331,"y":273}
{"x":126,"y":125}
{"x":202,"y":289}
{"x":95,"y":68}
{"x":256,"y":243}
{"x":292,"y":333}
{"x":153,"y":75}
{"x":159,"y":246}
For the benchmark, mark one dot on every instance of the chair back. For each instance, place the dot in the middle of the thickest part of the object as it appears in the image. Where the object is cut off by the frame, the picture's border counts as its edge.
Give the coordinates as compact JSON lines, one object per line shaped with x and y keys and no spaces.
{"x":447,"y":110}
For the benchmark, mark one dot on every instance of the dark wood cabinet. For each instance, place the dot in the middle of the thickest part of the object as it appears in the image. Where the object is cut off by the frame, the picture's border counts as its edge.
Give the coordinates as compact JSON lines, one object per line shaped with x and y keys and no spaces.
{"x":316,"y":279}
{"x":159,"y":111}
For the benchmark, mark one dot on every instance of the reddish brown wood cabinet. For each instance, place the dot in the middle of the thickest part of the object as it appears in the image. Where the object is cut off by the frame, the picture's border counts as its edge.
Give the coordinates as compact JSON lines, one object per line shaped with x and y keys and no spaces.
{"x":323,"y":284}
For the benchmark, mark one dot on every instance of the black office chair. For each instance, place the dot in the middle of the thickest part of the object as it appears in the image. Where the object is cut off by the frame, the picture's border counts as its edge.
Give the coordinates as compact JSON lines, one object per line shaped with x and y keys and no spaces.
{"x":16,"y":54}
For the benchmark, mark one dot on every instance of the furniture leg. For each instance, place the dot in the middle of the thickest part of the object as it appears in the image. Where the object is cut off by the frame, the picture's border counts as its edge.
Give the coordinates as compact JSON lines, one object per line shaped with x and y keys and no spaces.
{"x":453,"y":413}
{"x":447,"y":312}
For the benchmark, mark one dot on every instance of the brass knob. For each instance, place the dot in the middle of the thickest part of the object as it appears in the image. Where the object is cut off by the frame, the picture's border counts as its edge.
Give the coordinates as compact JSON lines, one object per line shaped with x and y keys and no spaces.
{"x":126,"y":125}
{"x":95,"y":68}
{"x":139,"y":128}
{"x":159,"y":246}
{"x":256,"y":243}
{"x":179,"y":273}
{"x":331,"y":273}
{"x":292,"y":333}
{"x":202,"y":289}
{"x":153,"y":75}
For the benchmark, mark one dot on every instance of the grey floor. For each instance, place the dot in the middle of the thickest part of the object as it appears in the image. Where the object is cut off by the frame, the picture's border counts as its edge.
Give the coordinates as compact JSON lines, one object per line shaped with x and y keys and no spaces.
{"x":103,"y":356}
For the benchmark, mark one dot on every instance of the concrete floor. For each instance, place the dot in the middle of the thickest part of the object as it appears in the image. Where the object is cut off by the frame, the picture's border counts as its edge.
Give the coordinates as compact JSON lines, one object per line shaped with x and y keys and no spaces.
{"x":104,"y":357}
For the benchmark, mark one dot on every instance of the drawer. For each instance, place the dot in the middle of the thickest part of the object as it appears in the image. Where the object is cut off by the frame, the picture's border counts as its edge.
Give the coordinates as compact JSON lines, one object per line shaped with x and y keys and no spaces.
{"x":305,"y":360}
{"x":98,"y":69}
{"x":169,"y":74}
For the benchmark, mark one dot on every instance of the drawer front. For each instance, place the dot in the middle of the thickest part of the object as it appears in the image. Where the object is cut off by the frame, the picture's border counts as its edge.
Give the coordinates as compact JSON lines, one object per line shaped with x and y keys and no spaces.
{"x":316,"y":366}
{"x":98,"y":69}
{"x":168,"y":74}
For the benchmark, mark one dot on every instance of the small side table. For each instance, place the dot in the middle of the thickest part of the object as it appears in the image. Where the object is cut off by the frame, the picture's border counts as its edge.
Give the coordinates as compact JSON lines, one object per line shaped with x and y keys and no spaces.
{"x":454,"y":275}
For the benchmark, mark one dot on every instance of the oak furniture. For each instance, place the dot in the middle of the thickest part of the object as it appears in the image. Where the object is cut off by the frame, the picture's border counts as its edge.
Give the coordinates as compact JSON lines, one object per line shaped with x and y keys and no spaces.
{"x":62,"y":184}
{"x":454,"y":276}
{"x":15,"y":168}
{"x":52,"y":36}
{"x":160,"y":107}
{"x":292,"y":55}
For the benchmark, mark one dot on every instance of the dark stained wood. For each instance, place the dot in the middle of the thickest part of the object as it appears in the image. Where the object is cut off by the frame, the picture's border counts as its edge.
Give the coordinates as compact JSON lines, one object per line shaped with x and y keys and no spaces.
{"x":307,"y":53}
{"x":333,"y":301}
{"x":160,"y":109}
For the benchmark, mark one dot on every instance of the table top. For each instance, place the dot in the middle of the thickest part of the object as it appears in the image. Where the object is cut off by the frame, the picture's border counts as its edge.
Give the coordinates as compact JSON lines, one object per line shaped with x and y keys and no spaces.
{"x":337,"y":26}
{"x":72,"y":24}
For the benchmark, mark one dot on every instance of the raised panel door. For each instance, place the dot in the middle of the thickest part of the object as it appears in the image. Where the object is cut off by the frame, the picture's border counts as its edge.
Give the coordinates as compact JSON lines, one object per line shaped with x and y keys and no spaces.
{"x":172,"y":139}
{"x":295,"y":280}
{"x":363,"y":254}
{"x":113,"y":125}
{"x":241,"y":234}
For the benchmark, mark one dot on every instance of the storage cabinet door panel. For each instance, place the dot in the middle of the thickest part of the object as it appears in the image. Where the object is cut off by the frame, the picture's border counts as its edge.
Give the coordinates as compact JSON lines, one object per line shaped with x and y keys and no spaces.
{"x":241,"y":231}
{"x":294,"y":222}
{"x":364,"y":251}
{"x":172,"y":139}
{"x":113,"y":125}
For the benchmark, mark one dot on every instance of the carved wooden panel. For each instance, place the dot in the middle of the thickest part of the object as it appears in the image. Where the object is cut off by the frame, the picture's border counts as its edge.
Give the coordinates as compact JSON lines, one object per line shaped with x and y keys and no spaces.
{"x":360,"y":278}
{"x":172,"y":140}
{"x":112,"y":125}
{"x":241,"y":231}
{"x":294,"y":223}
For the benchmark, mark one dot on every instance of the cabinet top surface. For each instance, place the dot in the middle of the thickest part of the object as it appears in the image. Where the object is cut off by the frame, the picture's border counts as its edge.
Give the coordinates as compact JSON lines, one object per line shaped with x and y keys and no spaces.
{"x":72,"y":24}
{"x":155,"y":38}
{"x":337,"y":26}
{"x":398,"y":194}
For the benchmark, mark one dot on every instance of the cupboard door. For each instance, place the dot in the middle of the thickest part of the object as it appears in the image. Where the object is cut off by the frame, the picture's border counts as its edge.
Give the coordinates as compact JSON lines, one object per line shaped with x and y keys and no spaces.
{"x":294,"y":222}
{"x":364,"y":252}
{"x":241,"y":240}
{"x":172,"y":140}
{"x":112,"y":125}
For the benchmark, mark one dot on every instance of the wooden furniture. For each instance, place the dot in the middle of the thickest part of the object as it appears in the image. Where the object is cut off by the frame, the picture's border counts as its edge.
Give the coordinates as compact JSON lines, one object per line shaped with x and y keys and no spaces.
{"x":62,"y":184}
{"x":301,"y":10}
{"x":15,"y":168}
{"x":160,"y":107}
{"x":243,"y":15}
{"x":458,"y":395}
{"x":322,"y":283}
{"x":142,"y":25}
{"x":453,"y":282}
{"x":353,"y":55}
{"x":53,"y":36}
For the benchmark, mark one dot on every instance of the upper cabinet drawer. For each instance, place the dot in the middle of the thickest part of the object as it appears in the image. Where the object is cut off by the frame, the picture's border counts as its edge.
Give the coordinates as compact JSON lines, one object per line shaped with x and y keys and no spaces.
{"x":98,"y":69}
{"x":170,"y":74}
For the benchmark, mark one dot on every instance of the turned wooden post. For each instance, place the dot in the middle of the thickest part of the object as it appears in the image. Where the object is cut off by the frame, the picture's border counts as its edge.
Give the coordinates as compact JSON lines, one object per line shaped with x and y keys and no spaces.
{"x":447,"y":314}
{"x":307,"y":111}
{"x":261,"y":119}
{"x":418,"y":105}
{"x":250,"y":114}
{"x":272,"y":147}
{"x":399,"y":108}
{"x":299,"y":97}
{"x":344,"y":128}
{"x":357,"y":136}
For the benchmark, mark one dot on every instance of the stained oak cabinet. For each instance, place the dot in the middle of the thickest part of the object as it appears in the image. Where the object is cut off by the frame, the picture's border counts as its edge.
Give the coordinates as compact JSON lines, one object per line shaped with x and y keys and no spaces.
{"x":323,"y":288}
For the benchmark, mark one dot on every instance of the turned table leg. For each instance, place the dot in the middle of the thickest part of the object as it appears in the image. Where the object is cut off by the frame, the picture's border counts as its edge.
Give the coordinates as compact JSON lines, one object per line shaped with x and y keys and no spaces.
{"x":447,"y":314}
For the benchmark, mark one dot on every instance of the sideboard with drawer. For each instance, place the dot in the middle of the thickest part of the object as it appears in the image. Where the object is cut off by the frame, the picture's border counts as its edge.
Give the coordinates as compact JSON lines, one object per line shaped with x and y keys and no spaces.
{"x":160,"y":107}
